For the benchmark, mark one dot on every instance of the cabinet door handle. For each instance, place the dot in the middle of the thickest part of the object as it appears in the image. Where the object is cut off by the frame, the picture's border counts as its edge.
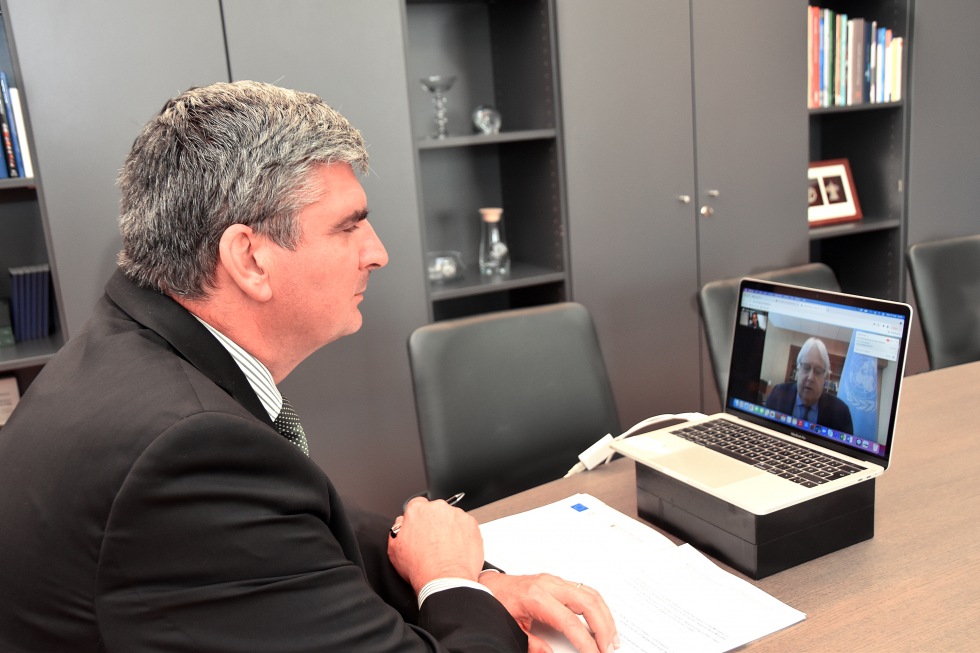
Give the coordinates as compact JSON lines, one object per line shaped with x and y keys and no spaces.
{"x":685,"y":198}
{"x":707,"y":210}
{"x":713,"y":193}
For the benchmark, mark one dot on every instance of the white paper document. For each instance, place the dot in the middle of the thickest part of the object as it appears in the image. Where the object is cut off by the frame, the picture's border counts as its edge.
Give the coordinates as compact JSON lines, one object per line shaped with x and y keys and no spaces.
{"x":663,"y":597}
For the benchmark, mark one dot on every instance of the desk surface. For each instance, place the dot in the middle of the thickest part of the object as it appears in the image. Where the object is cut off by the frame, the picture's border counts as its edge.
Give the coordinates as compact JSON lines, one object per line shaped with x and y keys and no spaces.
{"x":916,"y":585}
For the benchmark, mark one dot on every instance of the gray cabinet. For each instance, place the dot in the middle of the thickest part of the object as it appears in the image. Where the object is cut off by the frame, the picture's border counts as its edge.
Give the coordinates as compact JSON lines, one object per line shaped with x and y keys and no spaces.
{"x":653,"y":124}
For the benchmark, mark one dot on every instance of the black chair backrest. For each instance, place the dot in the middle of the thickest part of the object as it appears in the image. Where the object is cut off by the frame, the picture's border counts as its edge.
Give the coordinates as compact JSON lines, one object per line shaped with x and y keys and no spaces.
{"x":946,"y":281}
{"x":506,"y":401}
{"x":719,"y":301}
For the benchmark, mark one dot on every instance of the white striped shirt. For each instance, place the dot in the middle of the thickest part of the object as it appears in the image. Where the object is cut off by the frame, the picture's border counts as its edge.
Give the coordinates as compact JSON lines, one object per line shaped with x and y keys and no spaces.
{"x":260,"y":379}
{"x":258,"y":375}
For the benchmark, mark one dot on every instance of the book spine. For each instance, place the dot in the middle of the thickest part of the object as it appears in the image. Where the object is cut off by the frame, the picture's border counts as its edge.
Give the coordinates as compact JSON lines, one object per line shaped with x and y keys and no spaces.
{"x":899,"y":46}
{"x":881,"y":64}
{"x":857,"y":91}
{"x":25,"y":149}
{"x":10,"y":162}
{"x":46,"y":302}
{"x":5,"y":89}
{"x":836,"y":60}
{"x":831,"y":18}
{"x":842,"y":82}
{"x":828,"y":58}
{"x":809,"y":54}
{"x":820,"y":58}
{"x":889,"y":61}
{"x":849,"y":77}
{"x":815,"y":54}
{"x":17,"y":303}
{"x":32,"y":303}
{"x":874,"y":61}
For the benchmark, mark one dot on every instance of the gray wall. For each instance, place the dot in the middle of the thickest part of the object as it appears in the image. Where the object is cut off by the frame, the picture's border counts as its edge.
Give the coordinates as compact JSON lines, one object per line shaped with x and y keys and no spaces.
{"x":93,"y":73}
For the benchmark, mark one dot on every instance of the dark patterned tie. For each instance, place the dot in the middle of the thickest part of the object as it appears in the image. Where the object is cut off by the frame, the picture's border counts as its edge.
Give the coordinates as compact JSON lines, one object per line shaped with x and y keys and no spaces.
{"x":287,"y":423}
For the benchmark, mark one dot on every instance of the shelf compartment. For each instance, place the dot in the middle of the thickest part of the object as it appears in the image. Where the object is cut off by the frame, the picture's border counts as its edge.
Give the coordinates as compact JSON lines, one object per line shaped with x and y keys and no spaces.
{"x":519,"y":176}
{"x":866,"y":106}
{"x":500,"y":53}
{"x":500,"y":299}
{"x":489,"y":139}
{"x":873,"y":143}
{"x":850,"y":228}
{"x":866,"y":263}
{"x":30,"y":352}
{"x":474,"y":283}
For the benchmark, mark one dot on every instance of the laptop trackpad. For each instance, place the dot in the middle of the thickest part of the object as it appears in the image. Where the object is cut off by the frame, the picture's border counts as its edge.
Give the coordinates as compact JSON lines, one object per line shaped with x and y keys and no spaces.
{"x":708,"y":467}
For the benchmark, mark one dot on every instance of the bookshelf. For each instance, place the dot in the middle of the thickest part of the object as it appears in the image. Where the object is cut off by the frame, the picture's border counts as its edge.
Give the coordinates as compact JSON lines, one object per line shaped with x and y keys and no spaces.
{"x":503,"y":55}
{"x":867,"y":256}
{"x":24,"y":240}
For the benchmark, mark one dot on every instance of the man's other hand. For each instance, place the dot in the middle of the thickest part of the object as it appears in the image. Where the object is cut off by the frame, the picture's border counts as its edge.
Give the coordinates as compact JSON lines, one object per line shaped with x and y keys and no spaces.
{"x":558,"y":603}
{"x":435,"y":540}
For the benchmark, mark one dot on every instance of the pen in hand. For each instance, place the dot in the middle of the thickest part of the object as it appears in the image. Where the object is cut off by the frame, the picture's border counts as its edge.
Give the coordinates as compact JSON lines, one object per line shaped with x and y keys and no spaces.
{"x":453,"y":500}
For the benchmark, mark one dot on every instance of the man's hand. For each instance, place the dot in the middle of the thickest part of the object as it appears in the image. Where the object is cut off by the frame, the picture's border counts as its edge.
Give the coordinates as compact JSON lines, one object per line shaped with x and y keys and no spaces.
{"x":435,"y":540}
{"x":558,"y":603}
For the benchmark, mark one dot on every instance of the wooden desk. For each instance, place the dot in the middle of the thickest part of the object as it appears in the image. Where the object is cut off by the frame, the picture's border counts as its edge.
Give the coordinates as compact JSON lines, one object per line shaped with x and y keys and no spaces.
{"x":916,"y":585}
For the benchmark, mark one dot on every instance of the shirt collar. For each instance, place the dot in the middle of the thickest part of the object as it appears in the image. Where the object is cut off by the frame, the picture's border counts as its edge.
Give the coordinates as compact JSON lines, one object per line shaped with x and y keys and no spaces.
{"x":255,"y":372}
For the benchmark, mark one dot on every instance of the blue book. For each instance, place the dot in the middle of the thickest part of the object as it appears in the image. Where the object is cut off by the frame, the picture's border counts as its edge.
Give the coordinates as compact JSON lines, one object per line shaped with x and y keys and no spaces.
{"x":823,"y":89}
{"x":869,"y":42}
{"x":17,"y":302}
{"x":45,"y":299}
{"x":5,"y":89}
{"x":880,"y":83}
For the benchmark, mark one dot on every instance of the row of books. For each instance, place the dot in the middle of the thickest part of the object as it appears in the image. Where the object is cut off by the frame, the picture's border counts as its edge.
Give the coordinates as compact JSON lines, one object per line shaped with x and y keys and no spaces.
{"x":13,"y":134}
{"x":851,"y":60}
{"x":29,"y":301}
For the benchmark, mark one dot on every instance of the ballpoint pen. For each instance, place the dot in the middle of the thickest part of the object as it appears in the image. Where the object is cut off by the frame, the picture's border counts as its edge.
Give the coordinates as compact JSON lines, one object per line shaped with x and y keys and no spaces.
{"x":453,"y":500}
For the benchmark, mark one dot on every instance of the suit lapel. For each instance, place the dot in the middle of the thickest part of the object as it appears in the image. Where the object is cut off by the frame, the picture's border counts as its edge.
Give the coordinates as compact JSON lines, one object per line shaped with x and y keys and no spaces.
{"x":193,"y":342}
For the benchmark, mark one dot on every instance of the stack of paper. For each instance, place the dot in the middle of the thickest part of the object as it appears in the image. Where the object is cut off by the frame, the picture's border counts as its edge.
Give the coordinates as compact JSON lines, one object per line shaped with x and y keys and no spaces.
{"x":663,"y":597}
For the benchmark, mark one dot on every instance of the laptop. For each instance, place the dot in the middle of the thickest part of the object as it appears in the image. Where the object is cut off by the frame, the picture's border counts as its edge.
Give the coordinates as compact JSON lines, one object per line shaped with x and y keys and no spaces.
{"x":813,"y":394}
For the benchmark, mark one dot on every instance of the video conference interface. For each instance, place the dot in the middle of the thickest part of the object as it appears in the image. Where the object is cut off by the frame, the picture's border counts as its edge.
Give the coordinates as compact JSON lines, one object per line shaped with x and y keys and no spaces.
{"x":827,"y":369}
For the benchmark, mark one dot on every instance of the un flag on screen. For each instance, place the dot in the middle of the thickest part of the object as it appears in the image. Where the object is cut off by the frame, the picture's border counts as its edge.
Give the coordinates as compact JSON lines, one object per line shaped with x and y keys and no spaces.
{"x":859,"y":390}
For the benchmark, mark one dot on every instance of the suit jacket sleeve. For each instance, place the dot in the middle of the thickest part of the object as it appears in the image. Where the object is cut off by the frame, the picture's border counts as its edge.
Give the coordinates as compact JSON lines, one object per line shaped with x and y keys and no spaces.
{"x":225,"y":537}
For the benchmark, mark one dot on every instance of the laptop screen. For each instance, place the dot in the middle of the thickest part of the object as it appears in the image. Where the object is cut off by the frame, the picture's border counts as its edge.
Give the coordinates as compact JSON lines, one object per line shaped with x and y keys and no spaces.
{"x":822,"y":366}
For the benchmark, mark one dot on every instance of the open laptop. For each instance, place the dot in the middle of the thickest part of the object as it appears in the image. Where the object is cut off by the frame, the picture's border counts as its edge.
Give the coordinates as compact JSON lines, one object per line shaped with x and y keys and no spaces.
{"x":812,"y":400}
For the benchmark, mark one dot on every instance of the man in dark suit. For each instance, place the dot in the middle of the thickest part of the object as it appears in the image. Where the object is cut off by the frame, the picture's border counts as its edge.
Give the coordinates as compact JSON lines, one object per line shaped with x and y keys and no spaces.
{"x":157,"y":492}
{"x":806,"y":398}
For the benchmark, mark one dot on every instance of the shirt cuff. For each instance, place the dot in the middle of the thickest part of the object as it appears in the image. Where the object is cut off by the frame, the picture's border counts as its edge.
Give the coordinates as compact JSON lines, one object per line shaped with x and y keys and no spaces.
{"x":441,"y":584}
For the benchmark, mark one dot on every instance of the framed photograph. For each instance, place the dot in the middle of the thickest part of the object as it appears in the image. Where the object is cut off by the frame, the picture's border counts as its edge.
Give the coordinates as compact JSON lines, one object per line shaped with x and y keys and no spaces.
{"x":831,"y":195}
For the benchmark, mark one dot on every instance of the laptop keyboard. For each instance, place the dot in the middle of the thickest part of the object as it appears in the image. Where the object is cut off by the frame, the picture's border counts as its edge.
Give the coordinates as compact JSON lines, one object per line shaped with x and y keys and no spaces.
{"x":801,"y":465}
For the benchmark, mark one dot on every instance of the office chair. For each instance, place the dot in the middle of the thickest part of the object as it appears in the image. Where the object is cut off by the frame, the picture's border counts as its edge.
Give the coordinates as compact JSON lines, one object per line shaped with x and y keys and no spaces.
{"x":719,"y":300}
{"x":506,"y":401}
{"x":946,"y":282}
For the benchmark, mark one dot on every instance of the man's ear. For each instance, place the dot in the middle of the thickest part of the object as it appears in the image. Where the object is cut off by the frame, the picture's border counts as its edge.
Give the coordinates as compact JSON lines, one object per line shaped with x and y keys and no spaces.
{"x":242,"y":255}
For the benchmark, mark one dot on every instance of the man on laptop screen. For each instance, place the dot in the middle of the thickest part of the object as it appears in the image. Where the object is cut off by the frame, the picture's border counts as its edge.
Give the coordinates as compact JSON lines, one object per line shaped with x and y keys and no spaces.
{"x":806,"y":398}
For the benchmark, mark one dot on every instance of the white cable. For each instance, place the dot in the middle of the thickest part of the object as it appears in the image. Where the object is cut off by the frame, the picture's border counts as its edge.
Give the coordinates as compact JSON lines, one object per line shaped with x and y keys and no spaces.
{"x":601,"y":452}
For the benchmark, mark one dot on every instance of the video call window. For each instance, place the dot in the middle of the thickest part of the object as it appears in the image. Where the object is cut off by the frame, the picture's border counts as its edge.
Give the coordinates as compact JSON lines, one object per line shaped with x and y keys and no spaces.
{"x":832,"y":368}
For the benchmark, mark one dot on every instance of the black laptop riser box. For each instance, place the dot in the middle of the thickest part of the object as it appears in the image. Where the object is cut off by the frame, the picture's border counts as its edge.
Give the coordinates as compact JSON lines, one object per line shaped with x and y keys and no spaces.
{"x":757,"y":545}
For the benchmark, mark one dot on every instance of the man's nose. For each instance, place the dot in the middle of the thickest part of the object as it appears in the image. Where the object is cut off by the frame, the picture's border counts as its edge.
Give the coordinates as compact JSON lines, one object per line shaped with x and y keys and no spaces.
{"x":373,"y":252}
